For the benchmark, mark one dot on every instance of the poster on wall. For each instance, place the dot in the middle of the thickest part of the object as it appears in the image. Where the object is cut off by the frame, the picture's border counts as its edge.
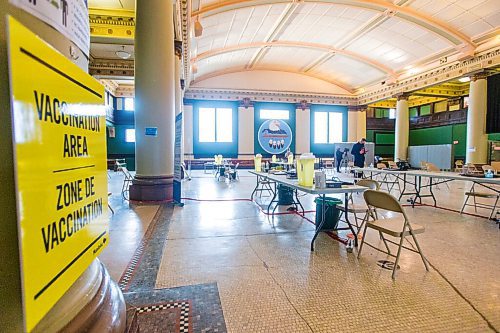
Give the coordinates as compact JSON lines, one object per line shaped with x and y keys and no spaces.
{"x":59,"y":139}
{"x":275,"y":136}
{"x":69,"y":17}
{"x":178,"y":158}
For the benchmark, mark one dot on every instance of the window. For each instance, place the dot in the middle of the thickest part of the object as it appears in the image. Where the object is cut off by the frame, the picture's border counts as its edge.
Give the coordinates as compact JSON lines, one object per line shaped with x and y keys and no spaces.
{"x":392,"y":113}
{"x":274,"y":114}
{"x":129,"y":104}
{"x":328,"y":127}
{"x":130,"y":135}
{"x":215,"y":125}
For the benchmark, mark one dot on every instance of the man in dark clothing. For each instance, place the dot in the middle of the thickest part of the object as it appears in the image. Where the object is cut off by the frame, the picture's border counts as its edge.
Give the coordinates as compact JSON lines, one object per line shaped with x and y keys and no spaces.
{"x":359,"y":151}
{"x":338,"y":158}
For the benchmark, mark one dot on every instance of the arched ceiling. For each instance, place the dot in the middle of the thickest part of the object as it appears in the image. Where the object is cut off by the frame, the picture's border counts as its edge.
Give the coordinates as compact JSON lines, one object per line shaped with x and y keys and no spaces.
{"x":353,"y":43}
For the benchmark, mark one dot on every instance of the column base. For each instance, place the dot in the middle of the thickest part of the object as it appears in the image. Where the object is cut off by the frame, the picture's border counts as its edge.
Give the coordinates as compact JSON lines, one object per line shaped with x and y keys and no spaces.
{"x":93,"y":304}
{"x":152,"y":188}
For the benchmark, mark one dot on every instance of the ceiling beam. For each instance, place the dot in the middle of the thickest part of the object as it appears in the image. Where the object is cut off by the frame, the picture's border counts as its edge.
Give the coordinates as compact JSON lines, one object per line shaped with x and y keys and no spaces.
{"x":271,"y":69}
{"x":323,"y":47}
{"x":461,"y":41}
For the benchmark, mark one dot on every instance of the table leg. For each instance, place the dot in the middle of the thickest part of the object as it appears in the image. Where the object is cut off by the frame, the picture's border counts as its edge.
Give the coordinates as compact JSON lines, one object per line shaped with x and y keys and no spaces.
{"x":298,"y":201}
{"x":432,"y":193}
{"x":404,"y":187}
{"x":256,"y":187}
{"x":318,"y":228}
{"x":346,"y":203}
{"x":272,"y":200}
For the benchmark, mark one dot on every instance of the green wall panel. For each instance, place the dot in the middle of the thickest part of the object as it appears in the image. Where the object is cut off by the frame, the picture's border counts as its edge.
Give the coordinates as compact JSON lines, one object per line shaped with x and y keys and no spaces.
{"x":460,"y":135}
{"x":425,"y":110}
{"x":431,"y":136}
{"x":494,"y":136}
{"x":118,"y":148}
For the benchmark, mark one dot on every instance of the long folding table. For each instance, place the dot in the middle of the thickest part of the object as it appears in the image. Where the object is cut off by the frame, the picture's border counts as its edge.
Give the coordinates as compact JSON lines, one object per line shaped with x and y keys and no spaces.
{"x":435,"y":178}
{"x":293,"y":184}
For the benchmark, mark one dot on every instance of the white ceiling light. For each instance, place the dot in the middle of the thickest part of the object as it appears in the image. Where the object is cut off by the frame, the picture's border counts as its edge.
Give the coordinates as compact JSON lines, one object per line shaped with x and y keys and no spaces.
{"x":464,"y":79}
{"x":122,"y":53}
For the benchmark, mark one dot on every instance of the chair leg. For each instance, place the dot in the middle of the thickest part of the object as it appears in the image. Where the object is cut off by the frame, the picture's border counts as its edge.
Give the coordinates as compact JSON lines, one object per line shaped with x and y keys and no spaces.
{"x":465,"y":203}
{"x":362,"y":239}
{"x":385,"y":242}
{"x":397,"y":258}
{"x":493,"y":210}
{"x":420,"y":251}
{"x":111,"y":209}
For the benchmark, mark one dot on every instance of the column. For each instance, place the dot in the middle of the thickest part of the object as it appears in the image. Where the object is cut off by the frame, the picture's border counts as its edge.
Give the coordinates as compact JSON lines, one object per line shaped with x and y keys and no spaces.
{"x":402,"y":133}
{"x":356,"y":123}
{"x":246,"y":129}
{"x":352,"y":124}
{"x":303,"y":129}
{"x":477,"y":139}
{"x":188,"y":129}
{"x":154,"y":101}
{"x":178,"y":89}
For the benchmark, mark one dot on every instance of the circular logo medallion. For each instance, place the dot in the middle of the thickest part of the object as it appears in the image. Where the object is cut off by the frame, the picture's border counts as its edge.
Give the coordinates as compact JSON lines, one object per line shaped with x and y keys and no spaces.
{"x":275,"y":136}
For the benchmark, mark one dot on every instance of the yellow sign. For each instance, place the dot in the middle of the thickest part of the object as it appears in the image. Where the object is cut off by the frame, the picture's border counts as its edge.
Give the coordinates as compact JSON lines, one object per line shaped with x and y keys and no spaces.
{"x":60,"y":148}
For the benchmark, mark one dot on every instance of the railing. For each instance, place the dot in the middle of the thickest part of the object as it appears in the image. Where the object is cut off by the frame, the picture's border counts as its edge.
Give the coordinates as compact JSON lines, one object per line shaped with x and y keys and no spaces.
{"x":432,"y":120}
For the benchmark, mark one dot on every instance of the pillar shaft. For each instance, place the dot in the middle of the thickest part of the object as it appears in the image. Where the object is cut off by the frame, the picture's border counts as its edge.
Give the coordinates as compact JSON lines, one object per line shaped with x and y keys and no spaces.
{"x":154,"y":100}
{"x":356,"y":123}
{"x":402,"y":129}
{"x":178,"y":95}
{"x":477,"y":139}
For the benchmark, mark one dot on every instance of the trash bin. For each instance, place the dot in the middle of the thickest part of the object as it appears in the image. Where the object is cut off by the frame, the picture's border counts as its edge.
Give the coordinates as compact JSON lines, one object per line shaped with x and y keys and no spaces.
{"x":285,"y":195}
{"x":332,"y":212}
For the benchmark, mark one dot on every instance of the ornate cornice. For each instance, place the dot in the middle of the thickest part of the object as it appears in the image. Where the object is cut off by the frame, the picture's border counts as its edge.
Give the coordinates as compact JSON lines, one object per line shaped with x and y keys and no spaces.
{"x":109,"y":85}
{"x":268,"y":96}
{"x":112,"y":23}
{"x":125,"y":91}
{"x":111,"y":67}
{"x":441,"y":74}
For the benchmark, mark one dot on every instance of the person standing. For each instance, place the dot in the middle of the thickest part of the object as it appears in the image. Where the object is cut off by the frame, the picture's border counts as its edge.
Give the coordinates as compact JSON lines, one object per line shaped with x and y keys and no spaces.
{"x":338,"y":158}
{"x":359,"y":151}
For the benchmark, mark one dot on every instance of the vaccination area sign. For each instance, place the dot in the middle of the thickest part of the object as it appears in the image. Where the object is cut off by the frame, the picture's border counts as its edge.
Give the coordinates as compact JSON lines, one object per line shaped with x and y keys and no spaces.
{"x":69,"y":17}
{"x":60,"y":161}
{"x":275,"y":136}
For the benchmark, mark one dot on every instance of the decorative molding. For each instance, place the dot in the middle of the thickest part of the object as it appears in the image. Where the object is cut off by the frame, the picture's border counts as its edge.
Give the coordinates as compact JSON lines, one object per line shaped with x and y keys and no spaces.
{"x":125,"y":91}
{"x":303,"y":105}
{"x":109,"y":85}
{"x":439,"y":119}
{"x":185,"y":26}
{"x":111,"y":67}
{"x":267,"y":96}
{"x":112,"y":23}
{"x":246,"y":103}
{"x":439,"y":75}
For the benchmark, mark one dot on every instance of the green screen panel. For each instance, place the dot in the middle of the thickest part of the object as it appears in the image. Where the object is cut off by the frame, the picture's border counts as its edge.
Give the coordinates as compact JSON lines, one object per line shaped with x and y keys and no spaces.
{"x":384,"y":138}
{"x":431,"y":136}
{"x":460,"y":135}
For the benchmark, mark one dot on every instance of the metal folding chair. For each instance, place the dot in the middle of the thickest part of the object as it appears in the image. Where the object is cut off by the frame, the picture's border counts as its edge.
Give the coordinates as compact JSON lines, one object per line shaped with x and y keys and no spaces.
{"x":398,"y":227}
{"x":356,"y":209}
{"x":126,"y":182}
{"x":484,"y":195}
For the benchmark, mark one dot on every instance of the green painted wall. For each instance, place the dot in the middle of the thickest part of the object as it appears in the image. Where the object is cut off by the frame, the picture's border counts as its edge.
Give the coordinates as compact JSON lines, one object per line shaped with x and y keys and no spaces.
{"x":494,"y":136}
{"x":384,"y":140}
{"x":117,"y":146}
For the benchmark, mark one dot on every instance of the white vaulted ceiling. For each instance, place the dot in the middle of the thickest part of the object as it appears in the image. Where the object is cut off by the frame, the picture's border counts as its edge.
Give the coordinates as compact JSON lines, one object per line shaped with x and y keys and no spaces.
{"x":342,"y":44}
{"x":349,"y":43}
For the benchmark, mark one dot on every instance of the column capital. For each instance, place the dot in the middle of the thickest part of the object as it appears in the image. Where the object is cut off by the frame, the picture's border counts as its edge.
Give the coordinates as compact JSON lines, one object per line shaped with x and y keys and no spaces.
{"x":246,"y":103}
{"x":178,"y":48}
{"x":357,"y":108}
{"x":402,"y":96}
{"x":478,"y":76}
{"x":303,"y":105}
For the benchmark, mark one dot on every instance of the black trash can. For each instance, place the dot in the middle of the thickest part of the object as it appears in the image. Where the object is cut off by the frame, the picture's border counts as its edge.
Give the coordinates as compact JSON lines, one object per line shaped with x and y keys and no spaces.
{"x":285,"y":195}
{"x":332,"y":212}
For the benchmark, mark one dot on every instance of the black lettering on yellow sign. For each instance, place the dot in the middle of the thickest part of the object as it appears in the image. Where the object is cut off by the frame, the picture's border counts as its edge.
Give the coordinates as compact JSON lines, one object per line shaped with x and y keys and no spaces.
{"x":75,"y":146}
{"x":57,"y":232}
{"x":53,"y":110}
{"x":72,"y":192}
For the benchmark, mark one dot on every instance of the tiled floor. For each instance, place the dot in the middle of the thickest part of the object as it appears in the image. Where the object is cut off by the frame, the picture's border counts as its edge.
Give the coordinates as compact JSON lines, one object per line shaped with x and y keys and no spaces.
{"x":268,"y":280}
